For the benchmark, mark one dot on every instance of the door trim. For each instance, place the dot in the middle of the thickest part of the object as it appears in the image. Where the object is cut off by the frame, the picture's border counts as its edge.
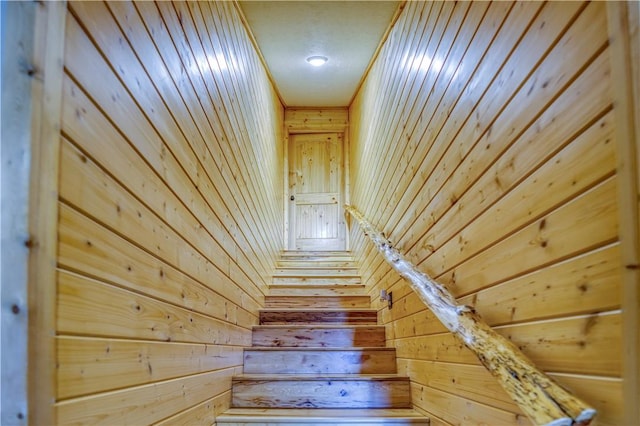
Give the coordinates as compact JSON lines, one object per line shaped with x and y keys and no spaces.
{"x":299,"y":126}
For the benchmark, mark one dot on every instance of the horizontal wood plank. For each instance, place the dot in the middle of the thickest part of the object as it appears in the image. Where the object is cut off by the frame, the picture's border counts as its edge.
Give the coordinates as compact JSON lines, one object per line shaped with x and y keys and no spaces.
{"x":204,"y":413}
{"x":586,"y":284}
{"x":144,"y":404}
{"x":89,"y":307}
{"x":86,"y":247}
{"x":568,"y":345}
{"x":92,"y":365}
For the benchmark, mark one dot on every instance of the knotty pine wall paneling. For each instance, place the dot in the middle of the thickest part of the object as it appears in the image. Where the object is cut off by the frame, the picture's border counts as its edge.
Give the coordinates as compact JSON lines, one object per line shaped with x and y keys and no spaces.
{"x":483,"y":145}
{"x":169,"y":210}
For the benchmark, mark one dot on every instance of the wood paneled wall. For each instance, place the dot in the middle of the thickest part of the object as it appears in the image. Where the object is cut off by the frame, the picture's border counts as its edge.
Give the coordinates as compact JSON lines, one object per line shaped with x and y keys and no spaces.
{"x":483,"y":145}
{"x":169,"y":212}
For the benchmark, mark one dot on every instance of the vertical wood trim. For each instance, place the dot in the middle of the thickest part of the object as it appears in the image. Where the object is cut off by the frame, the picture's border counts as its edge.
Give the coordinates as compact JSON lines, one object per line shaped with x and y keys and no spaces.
{"x":287,"y":193}
{"x":625,"y":47}
{"x":346,"y":185}
{"x":17,"y":25}
{"x":43,"y":211}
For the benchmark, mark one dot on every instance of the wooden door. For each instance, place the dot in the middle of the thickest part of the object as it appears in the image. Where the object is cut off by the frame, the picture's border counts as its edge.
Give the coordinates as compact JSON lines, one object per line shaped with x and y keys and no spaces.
{"x":316,"y":215}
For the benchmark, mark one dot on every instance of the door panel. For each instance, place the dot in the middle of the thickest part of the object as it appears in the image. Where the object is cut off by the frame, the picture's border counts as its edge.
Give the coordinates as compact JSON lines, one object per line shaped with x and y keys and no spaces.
{"x":316,"y":215}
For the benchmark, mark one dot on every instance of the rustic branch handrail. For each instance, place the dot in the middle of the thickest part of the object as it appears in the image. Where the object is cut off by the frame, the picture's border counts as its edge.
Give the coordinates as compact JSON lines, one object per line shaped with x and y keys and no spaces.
{"x":543,"y":400}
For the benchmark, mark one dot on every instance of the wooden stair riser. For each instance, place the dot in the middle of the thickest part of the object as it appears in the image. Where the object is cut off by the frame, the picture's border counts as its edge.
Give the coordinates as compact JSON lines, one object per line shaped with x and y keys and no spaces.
{"x":316,"y":272}
{"x":320,"y":361}
{"x":321,"y":393}
{"x":326,"y":256}
{"x":319,"y":259}
{"x":364,"y":317}
{"x":318,"y":302}
{"x":325,"y":280}
{"x":318,"y":264}
{"x":320,"y":337}
{"x":316,"y":290}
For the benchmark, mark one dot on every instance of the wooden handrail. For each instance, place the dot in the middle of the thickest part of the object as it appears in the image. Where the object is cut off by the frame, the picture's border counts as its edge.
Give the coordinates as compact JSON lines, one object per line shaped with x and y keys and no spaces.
{"x":543,"y":400}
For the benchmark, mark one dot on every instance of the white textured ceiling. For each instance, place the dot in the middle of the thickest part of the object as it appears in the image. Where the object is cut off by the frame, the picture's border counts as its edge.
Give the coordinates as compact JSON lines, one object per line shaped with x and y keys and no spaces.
{"x":346,"y":32}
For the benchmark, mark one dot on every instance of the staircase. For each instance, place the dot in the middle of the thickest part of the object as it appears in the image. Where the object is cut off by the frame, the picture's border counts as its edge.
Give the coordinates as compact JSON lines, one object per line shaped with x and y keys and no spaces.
{"x":318,"y":355}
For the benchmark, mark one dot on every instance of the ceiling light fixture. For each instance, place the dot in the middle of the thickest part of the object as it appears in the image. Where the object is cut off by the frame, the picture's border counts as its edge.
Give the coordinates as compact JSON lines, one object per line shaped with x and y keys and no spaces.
{"x":317,"y":61}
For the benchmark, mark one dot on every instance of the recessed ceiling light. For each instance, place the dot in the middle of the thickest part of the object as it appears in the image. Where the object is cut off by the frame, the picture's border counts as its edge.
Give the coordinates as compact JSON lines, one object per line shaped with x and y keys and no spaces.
{"x":317,"y":61}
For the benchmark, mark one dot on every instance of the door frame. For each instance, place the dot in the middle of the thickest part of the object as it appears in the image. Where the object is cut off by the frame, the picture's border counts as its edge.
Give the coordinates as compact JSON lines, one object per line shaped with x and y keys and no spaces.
{"x":32,"y":59}
{"x":320,"y":125}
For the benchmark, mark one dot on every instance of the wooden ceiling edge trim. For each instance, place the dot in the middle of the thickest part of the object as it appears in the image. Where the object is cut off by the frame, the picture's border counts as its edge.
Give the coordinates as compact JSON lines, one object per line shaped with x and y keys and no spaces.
{"x":254,"y":43}
{"x":376,"y":53}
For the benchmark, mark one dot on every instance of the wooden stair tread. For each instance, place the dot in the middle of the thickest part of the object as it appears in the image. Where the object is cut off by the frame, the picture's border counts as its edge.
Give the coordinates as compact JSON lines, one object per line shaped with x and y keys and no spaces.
{"x":298,"y":256}
{"x":316,"y":289}
{"x":318,"y":310}
{"x":334,"y":416}
{"x":321,"y":265}
{"x":316,"y":272}
{"x":318,"y":349}
{"x":320,"y":377}
{"x":325,"y":412}
{"x":315,"y":264}
{"x":322,"y":286}
{"x":298,"y":253}
{"x":315,"y":280}
{"x":318,"y":326}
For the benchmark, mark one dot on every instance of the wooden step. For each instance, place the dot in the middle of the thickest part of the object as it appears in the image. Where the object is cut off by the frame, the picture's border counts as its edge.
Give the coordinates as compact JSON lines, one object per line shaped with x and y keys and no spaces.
{"x":311,"y":258}
{"x":315,"y":280}
{"x":315,"y":264}
{"x":305,"y":416}
{"x":315,"y":271}
{"x":315,"y":289}
{"x":320,"y":361}
{"x":318,"y":336}
{"x":356,"y":391}
{"x":318,"y":316}
{"x":315,"y":254}
{"x":318,"y":302}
